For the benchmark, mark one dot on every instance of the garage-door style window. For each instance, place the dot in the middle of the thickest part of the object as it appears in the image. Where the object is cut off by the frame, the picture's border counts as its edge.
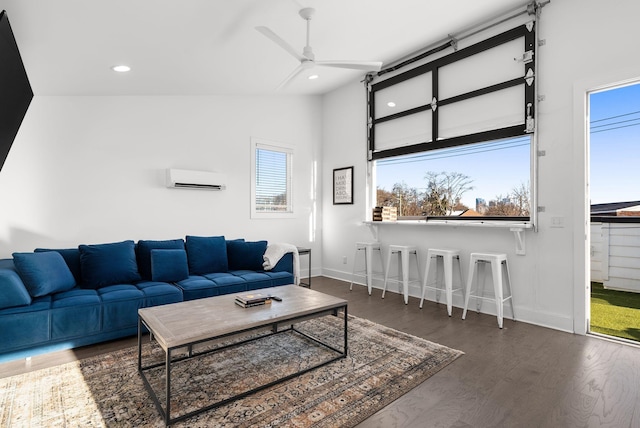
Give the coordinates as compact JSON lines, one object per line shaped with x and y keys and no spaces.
{"x":452,"y":137}
{"x":271,"y":168}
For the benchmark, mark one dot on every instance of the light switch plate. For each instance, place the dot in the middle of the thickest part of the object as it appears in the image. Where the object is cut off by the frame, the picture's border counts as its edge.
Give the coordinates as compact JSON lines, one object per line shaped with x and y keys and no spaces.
{"x":557,"y":222}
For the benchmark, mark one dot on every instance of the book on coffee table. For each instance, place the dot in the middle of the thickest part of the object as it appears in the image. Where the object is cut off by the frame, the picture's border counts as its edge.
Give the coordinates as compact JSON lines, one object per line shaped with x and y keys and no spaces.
{"x":253,"y":299}
{"x":249,"y":305}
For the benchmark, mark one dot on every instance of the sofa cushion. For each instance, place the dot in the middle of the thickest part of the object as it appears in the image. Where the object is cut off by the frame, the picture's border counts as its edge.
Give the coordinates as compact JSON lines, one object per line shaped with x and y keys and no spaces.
{"x":120,"y":304}
{"x":143,"y":252}
{"x":197,"y":287}
{"x":246,"y":255}
{"x":159,"y":293}
{"x":71,"y":256}
{"x":206,"y":254}
{"x":227,"y":283}
{"x":25,"y":326}
{"x":169,"y":265}
{"x":255,"y":280}
{"x":44,"y":273}
{"x":280,"y":278}
{"x":75,"y":313}
{"x":107,"y":264}
{"x":12,"y":289}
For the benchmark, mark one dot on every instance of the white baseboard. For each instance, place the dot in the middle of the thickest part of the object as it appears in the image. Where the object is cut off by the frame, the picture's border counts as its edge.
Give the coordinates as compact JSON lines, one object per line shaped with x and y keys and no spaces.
{"x":539,"y":318}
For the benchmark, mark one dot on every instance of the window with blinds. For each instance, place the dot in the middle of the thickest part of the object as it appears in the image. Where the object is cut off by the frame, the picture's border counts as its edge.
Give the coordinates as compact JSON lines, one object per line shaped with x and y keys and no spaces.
{"x":271,"y":179}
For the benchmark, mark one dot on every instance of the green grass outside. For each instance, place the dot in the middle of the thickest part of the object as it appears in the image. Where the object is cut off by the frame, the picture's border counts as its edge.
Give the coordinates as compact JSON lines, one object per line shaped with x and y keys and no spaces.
{"x":615,"y":313}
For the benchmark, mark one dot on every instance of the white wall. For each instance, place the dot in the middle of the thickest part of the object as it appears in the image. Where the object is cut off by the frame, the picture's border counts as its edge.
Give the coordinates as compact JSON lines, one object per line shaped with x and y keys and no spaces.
{"x":91,"y":169}
{"x":588,"y":44}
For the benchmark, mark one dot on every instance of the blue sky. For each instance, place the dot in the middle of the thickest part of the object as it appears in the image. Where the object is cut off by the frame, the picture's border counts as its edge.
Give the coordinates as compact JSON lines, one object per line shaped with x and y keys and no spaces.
{"x":614,"y":154}
{"x":615,"y":144}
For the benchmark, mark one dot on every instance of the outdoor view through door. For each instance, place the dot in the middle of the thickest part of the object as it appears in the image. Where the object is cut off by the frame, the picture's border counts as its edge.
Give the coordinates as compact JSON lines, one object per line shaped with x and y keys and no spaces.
{"x":614,"y":121}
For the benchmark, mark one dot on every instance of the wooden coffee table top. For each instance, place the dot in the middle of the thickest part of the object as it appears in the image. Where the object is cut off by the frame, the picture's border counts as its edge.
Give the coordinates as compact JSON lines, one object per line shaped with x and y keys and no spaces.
{"x":184,"y":323}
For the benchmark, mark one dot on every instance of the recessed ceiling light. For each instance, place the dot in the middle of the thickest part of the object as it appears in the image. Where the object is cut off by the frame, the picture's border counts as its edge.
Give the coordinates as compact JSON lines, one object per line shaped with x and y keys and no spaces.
{"x":121,"y":68}
{"x":391,"y":104}
{"x":313,"y":77}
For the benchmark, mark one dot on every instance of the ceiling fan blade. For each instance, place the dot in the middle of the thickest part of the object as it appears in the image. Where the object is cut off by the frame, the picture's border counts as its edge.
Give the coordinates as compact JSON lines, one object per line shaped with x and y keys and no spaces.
{"x":280,"y":41}
{"x":354,"y":65}
{"x":290,"y":77}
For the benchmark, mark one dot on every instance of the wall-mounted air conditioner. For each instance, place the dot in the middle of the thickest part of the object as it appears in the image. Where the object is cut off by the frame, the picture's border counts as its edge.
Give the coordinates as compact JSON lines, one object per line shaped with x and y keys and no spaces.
{"x":187,"y":179}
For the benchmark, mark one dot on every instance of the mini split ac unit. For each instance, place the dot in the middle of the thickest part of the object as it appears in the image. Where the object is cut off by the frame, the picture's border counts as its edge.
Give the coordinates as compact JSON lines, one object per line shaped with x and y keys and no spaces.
{"x":186,"y":179}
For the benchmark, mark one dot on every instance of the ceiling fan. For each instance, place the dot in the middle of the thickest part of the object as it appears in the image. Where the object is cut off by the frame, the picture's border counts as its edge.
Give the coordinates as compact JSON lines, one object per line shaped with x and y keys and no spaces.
{"x":307,"y":58}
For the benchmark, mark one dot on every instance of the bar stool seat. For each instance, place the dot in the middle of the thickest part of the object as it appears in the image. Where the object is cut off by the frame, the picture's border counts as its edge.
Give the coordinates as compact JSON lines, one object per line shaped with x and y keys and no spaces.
{"x":446,"y":258}
{"x":404,"y":253}
{"x":500,"y":276}
{"x":367,"y":249}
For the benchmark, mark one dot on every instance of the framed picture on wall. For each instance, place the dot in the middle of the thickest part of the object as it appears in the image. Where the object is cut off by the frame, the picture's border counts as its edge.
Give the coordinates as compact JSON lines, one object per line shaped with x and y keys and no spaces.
{"x":343,"y":186}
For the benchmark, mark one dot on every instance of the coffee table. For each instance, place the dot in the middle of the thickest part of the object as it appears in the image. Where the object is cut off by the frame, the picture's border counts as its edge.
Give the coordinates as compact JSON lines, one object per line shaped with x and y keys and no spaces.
{"x":186,"y":324}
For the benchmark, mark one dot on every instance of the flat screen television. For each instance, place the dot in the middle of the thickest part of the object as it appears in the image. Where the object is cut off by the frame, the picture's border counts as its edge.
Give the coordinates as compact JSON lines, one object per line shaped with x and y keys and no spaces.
{"x":15,"y":89}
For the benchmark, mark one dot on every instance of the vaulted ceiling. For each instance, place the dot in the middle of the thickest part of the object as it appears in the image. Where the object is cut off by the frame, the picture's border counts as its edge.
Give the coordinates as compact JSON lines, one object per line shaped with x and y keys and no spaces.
{"x":203,"y":47}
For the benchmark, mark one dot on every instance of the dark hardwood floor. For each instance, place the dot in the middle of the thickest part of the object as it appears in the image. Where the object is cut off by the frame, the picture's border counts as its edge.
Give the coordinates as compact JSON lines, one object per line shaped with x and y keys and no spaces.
{"x":520,"y":376}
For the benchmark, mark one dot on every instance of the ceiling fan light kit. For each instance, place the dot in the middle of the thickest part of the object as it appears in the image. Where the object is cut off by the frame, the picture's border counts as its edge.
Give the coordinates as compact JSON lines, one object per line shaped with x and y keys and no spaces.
{"x":307,"y":58}
{"x":307,"y":13}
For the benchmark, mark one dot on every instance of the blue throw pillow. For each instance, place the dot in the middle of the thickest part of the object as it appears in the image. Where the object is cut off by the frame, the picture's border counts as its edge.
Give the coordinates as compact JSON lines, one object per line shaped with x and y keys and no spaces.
{"x":230,"y":249}
{"x":71,"y":256}
{"x":246,"y":255}
{"x":108,"y":264}
{"x":143,"y":251}
{"x":44,"y":273}
{"x":169,"y":265}
{"x":12,"y":290}
{"x":207,"y":254}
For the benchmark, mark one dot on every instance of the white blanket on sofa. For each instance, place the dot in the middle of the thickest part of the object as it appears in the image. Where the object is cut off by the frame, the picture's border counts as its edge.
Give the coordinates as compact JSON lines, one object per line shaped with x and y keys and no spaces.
{"x":275,"y":252}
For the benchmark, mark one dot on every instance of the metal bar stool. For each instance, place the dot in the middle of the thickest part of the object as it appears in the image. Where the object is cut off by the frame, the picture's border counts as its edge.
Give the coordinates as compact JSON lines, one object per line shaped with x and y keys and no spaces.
{"x":367,"y":248}
{"x":444,"y":258}
{"x":498,"y":263}
{"x":404,"y":253}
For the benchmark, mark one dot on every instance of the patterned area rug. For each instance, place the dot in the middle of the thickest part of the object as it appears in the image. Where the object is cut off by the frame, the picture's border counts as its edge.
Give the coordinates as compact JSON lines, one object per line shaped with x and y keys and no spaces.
{"x":106,"y":390}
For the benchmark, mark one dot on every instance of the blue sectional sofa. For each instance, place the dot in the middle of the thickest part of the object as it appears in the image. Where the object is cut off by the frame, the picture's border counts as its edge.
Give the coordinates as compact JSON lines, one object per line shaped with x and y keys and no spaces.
{"x":54,"y":299}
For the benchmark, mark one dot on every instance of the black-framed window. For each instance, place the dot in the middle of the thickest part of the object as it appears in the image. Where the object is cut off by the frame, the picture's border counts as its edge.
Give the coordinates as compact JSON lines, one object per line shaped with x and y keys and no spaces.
{"x":474,"y":100}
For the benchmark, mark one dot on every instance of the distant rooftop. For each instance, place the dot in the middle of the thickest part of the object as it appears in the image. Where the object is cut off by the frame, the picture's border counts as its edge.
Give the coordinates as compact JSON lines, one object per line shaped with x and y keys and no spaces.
{"x":614,"y":208}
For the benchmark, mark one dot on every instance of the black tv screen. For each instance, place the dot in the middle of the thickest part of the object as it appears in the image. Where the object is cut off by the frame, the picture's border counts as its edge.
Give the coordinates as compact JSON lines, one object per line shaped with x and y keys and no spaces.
{"x":15,"y":89}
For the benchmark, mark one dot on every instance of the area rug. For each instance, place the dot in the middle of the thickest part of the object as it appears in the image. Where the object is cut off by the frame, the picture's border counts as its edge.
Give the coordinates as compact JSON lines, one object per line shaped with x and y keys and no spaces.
{"x":105,"y":391}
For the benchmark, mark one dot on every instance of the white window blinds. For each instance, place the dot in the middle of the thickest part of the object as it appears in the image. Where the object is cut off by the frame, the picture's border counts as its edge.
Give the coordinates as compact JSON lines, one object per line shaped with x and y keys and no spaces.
{"x":271,"y":178}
